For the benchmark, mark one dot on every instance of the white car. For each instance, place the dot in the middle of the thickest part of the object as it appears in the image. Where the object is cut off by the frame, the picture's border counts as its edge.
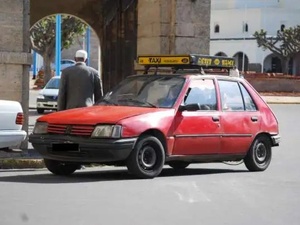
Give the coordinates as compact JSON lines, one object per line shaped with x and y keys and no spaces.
{"x":64,"y":63}
{"x":11,"y":122}
{"x":47,"y":98}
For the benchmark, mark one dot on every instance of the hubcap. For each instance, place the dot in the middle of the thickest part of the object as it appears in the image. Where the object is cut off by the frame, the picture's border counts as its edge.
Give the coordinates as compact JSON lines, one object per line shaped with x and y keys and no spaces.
{"x":147,"y":157}
{"x":261,"y":152}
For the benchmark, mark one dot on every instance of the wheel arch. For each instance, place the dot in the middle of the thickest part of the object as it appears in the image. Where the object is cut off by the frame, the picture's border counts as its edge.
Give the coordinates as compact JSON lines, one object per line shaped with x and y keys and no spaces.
{"x":159,"y":135}
{"x":264,"y":134}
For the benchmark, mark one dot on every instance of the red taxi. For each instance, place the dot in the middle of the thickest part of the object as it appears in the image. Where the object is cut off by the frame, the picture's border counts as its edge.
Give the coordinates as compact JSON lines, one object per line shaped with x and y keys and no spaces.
{"x":148,"y":121}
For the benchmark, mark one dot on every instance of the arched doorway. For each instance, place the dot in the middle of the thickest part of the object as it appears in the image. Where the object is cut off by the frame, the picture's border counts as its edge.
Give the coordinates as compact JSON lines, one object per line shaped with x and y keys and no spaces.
{"x":242,"y":61}
{"x":73,"y":37}
{"x":114,"y":22}
{"x":220,"y":54}
{"x":272,"y":64}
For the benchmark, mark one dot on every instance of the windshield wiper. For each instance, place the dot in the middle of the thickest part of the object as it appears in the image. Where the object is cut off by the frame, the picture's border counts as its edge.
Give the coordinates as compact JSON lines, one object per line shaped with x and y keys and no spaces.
{"x":138,"y":101}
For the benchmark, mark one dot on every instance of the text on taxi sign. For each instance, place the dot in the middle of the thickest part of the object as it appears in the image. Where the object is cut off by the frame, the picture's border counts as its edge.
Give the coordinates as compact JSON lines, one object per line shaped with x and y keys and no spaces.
{"x":164,"y":60}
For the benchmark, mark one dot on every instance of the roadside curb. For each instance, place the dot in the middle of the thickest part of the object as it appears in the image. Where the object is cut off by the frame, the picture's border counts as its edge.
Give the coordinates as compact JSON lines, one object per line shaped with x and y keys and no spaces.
{"x":21,"y":163}
{"x":21,"y":159}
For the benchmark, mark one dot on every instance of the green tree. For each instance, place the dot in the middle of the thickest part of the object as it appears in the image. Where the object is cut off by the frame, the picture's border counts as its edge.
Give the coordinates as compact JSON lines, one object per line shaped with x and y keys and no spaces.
{"x":42,"y":36}
{"x":285,"y":45}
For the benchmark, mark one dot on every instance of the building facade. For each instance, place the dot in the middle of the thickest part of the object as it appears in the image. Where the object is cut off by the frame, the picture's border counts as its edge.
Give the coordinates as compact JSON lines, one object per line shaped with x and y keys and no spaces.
{"x":233,"y":23}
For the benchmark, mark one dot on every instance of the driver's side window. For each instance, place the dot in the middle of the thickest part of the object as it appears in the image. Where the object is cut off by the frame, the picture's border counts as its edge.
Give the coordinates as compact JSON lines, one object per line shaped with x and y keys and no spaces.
{"x":202,"y":92}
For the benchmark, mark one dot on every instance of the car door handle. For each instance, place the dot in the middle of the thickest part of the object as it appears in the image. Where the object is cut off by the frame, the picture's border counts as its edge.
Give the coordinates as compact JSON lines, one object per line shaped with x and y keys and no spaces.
{"x":215,"y":118}
{"x":254,"y":118}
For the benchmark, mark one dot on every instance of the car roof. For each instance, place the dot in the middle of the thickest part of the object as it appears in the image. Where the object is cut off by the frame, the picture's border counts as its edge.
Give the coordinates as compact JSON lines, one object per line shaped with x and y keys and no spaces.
{"x":192,"y":76}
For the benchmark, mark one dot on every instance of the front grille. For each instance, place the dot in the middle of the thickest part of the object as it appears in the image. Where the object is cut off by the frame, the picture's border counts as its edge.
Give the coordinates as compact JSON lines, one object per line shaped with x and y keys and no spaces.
{"x":82,"y":130}
{"x":57,"y":128}
{"x":75,"y":130}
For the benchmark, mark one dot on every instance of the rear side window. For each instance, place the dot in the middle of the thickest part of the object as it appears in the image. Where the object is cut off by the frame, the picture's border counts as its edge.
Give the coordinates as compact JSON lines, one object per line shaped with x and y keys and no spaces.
{"x":249,"y":103}
{"x":231,"y":97}
{"x":202,"y":92}
{"x":235,"y":97}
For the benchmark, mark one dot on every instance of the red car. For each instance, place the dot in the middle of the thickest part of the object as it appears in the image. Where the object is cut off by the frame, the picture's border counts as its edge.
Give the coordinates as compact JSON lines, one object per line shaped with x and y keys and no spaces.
{"x":148,"y":121}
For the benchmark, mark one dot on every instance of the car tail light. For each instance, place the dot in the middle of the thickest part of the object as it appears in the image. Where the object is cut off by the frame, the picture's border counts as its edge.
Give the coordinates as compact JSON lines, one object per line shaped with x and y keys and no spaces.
{"x":20,"y":119}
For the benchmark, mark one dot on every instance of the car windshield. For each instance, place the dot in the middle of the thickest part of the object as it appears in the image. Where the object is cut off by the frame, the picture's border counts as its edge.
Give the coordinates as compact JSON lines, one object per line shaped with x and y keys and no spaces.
{"x":53,"y":84}
{"x":157,"y":91}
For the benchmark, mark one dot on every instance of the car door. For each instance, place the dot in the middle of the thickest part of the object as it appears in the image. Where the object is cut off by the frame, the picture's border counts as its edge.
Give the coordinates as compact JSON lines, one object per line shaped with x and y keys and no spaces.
{"x":198,"y":132}
{"x":240,"y":118}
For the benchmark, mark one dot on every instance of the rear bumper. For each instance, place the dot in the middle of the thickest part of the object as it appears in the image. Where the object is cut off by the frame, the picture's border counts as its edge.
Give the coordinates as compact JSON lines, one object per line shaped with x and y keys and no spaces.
{"x":275,"y":140}
{"x":86,"y":150}
{"x":11,"y":138}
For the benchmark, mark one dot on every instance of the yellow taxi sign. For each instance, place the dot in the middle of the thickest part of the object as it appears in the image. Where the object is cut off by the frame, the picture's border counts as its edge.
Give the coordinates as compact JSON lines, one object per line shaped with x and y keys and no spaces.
{"x":215,"y":61}
{"x":164,"y":60}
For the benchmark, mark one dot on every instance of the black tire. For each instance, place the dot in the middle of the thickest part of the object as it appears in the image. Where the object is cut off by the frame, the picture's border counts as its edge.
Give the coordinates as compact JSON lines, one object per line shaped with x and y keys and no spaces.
{"x":147,"y":158}
{"x":60,"y":168}
{"x":40,"y":111}
{"x":259,"y":155}
{"x":179,"y":165}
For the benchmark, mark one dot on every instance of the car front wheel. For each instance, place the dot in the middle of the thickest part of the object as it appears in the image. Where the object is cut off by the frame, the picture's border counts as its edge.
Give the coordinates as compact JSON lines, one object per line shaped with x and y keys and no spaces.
{"x":147,"y":158}
{"x":60,"y":168}
{"x":259,"y":155}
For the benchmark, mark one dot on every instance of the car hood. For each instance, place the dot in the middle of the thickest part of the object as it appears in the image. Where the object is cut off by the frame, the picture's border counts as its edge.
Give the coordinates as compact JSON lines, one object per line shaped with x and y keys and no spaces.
{"x":96,"y":114}
{"x":49,"y":92}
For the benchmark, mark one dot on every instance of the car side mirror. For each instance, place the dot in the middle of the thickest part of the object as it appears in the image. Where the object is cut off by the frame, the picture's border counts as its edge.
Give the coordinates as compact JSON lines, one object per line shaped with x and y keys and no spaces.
{"x":189,"y":107}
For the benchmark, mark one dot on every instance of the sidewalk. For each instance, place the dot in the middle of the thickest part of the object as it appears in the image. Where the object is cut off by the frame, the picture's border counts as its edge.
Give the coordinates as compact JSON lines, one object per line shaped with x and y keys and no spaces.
{"x":282,"y":99}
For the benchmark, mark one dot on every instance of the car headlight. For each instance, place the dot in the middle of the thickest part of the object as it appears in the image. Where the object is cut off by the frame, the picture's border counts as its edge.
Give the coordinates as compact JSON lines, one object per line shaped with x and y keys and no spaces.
{"x":40,"y":128}
{"x":113,"y":131}
{"x":40,"y":97}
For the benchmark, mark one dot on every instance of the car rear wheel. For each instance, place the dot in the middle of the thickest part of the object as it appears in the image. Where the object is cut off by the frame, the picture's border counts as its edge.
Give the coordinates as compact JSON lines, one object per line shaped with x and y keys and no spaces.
{"x":179,"y":165}
{"x":259,"y":156}
{"x":60,"y":168}
{"x":40,"y":111}
{"x":147,"y":158}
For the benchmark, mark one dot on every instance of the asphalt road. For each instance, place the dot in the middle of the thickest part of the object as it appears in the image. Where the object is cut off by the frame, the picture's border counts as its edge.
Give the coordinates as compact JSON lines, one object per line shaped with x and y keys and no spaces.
{"x":210,"y":194}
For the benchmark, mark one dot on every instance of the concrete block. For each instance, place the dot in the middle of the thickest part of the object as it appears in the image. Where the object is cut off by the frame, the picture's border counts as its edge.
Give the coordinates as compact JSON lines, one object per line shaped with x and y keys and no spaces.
{"x":188,"y":45}
{"x":149,"y":45}
{"x":185,"y":30}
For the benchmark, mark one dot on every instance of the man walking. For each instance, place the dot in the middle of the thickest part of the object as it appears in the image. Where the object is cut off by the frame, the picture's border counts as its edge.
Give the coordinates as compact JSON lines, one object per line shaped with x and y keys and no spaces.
{"x":80,"y":85}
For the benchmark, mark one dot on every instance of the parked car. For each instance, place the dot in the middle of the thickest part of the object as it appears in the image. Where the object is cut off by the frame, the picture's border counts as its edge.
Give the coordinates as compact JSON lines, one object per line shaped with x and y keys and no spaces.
{"x":47,"y":98}
{"x":64,"y":63}
{"x":11,"y":121}
{"x":148,"y":121}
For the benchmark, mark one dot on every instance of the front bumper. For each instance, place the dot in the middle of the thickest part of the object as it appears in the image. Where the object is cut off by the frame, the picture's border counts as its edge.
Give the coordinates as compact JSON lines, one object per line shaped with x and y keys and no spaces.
{"x":82,"y":150}
{"x":275,"y":140}
{"x":46,"y":104}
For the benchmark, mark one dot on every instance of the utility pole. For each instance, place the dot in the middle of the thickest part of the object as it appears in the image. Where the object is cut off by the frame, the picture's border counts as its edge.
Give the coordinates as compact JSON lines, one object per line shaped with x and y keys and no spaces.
{"x":58,"y":45}
{"x":88,"y":44}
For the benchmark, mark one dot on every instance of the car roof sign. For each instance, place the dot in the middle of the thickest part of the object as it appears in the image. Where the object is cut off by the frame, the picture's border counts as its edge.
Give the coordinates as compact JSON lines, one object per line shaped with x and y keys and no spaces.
{"x":188,"y":61}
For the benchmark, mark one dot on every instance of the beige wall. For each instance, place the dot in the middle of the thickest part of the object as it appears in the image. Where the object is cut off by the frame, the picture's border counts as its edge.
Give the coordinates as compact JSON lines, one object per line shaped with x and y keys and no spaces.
{"x":173,"y":27}
{"x":12,"y":55}
{"x":15,"y":58}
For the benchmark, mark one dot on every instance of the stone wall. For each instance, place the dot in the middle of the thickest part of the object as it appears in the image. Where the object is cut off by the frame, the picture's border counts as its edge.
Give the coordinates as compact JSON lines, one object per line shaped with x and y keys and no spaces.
{"x":273,"y":82}
{"x":173,"y":27}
